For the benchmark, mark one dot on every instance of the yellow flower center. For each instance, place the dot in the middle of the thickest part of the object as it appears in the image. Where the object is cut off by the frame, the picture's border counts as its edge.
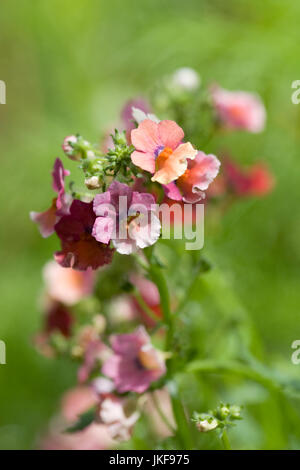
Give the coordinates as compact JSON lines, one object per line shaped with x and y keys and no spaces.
{"x":163,"y":157}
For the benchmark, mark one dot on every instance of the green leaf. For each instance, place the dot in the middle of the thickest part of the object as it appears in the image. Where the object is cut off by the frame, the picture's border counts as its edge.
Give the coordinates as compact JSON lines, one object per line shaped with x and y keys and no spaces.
{"x":84,"y":420}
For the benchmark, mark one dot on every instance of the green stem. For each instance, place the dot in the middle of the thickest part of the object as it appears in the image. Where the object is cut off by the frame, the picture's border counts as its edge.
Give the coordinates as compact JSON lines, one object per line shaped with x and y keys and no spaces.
{"x":225,"y":440}
{"x":145,"y":307}
{"x":157,"y":276}
{"x":162,"y":415}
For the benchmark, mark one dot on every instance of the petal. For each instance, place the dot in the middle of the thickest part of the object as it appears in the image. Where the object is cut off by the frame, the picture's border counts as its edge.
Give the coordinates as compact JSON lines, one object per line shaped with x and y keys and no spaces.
{"x":103,"y":229}
{"x":172,"y":192}
{"x":84,"y":254}
{"x":146,"y":137}
{"x":144,"y":199}
{"x":145,"y":234}
{"x":175,"y":165}
{"x":145,"y":161}
{"x":125,"y":247}
{"x":201,"y":172}
{"x":45,"y":220}
{"x":170,"y":133}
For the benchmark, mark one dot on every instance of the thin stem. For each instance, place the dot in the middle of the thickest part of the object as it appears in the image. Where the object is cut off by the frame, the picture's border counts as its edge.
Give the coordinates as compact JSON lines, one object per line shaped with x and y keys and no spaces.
{"x":144,"y":306}
{"x":162,"y":415}
{"x":157,"y":276}
{"x":225,"y":440}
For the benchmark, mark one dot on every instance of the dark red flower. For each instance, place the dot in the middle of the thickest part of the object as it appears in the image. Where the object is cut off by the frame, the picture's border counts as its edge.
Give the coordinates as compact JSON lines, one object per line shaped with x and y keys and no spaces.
{"x":80,"y":250}
{"x":59,"y":318}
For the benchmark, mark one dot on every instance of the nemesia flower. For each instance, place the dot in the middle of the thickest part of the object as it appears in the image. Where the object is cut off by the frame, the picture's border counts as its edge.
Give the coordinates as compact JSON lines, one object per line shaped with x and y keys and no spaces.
{"x":256,"y":181}
{"x":67,"y":285}
{"x":135,"y":362}
{"x":239,"y":109}
{"x":80,"y":250}
{"x":60,"y":205}
{"x":159,"y":150}
{"x":199,"y":174}
{"x":131,"y":225}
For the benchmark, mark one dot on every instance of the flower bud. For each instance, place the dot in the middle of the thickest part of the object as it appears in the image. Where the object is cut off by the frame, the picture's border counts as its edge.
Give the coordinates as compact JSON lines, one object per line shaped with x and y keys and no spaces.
{"x":92,"y":182}
{"x":205,"y":425}
{"x":68,"y":147}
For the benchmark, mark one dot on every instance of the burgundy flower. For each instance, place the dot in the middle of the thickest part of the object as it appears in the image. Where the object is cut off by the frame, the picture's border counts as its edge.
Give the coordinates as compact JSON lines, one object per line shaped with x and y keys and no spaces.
{"x":59,"y":318}
{"x":80,"y":250}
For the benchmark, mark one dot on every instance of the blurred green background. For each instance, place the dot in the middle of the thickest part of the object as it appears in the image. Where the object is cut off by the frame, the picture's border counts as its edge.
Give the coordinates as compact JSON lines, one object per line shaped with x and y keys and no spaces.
{"x":69,"y":66}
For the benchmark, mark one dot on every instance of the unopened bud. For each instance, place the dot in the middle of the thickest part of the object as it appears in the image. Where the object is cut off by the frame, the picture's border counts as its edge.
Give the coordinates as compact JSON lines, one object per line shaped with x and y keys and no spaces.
{"x":68,"y":147}
{"x":92,"y":182}
{"x":206,"y":425}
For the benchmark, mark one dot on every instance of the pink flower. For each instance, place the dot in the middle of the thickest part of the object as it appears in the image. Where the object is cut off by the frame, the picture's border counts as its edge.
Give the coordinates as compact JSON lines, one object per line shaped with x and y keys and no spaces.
{"x":67,"y":285}
{"x":159,"y":150}
{"x":93,"y":349}
{"x":135,"y":362}
{"x":80,"y":250}
{"x":200,"y":173}
{"x":126,"y":217}
{"x":239,"y":109}
{"x":60,"y":205}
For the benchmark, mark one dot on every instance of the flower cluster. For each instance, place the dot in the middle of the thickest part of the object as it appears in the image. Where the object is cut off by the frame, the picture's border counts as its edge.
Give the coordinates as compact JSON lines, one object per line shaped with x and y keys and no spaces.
{"x":110,"y":313}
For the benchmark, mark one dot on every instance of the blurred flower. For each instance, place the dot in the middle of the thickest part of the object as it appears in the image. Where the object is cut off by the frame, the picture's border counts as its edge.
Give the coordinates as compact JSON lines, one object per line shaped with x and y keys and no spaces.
{"x":135,"y":362}
{"x":67,"y":285}
{"x":186,"y":78}
{"x":80,"y":250}
{"x":239,"y":109}
{"x":199,"y":174}
{"x":58,"y":318}
{"x":131,"y":225}
{"x":60,"y":205}
{"x":93,"y":350}
{"x":256,"y":181}
{"x":74,"y":403}
{"x":113,"y":413}
{"x":159,"y":150}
